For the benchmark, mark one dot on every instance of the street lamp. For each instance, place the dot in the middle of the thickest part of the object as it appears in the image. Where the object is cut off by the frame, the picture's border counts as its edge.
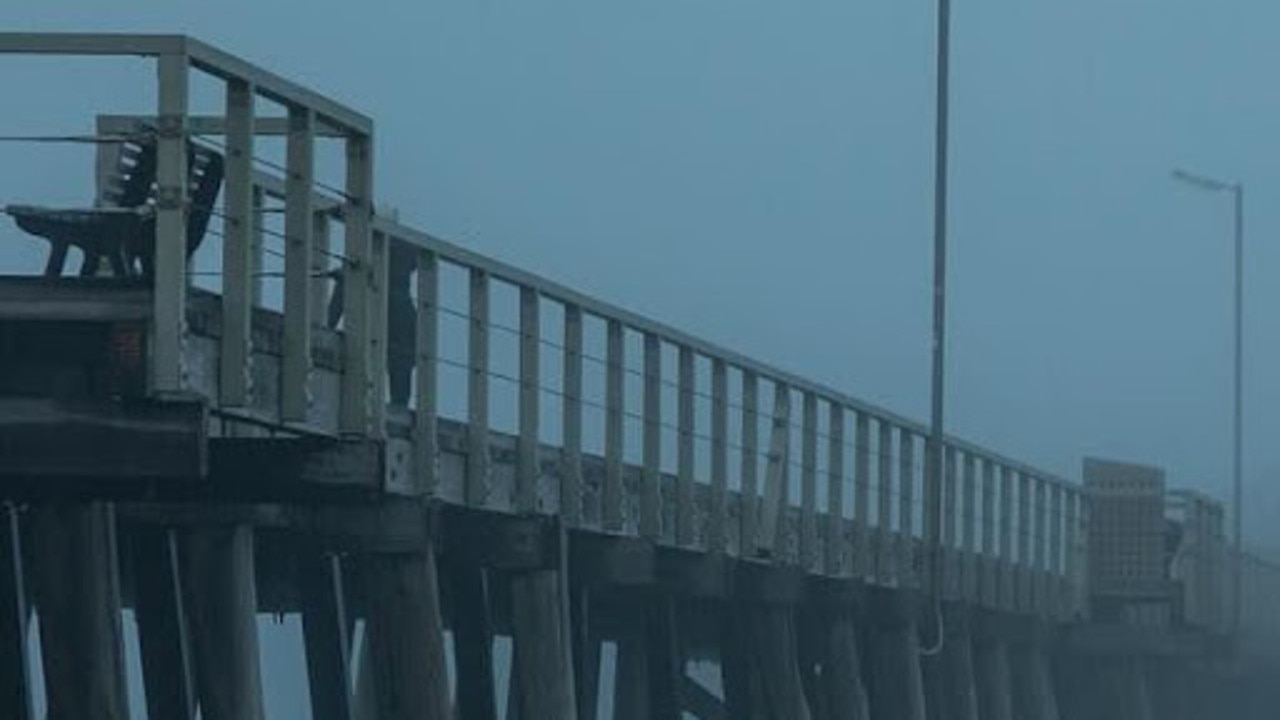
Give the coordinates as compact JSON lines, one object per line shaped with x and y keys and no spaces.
{"x":1237,"y":190}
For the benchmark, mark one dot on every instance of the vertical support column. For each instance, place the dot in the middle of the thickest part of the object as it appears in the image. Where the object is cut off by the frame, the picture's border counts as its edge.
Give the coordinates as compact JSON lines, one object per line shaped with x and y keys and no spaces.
{"x":295,"y":387}
{"x":571,"y":472}
{"x":528,"y":465}
{"x":776,"y":473}
{"x":1033,"y":692}
{"x":238,"y":280}
{"x":651,"y":483}
{"x":896,"y":682}
{"x":844,"y":694}
{"x":884,"y":545}
{"x":1074,"y":553}
{"x":613,"y":512}
{"x":477,"y":492}
{"x":406,"y":637}
{"x":665,"y":665}
{"x":426,"y":440}
{"x":808,"y":482}
{"x":955,"y":663}
{"x":15,"y":671}
{"x":718,"y":524}
{"x":685,"y":500}
{"x":357,"y":381}
{"x":969,"y":520}
{"x":78,"y":589}
{"x":543,"y":656}
{"x":864,"y":561}
{"x":906,"y":507}
{"x":632,"y":688}
{"x":169,"y":303}
{"x":587,"y":647}
{"x":219,"y":590}
{"x":1006,"y":563}
{"x":995,"y":689}
{"x":162,"y":625}
{"x":473,"y":642}
{"x":750,"y":460}
{"x":774,"y":631}
{"x":834,"y":555}
{"x":324,"y":626}
{"x":259,"y":251}
{"x":950,"y":559}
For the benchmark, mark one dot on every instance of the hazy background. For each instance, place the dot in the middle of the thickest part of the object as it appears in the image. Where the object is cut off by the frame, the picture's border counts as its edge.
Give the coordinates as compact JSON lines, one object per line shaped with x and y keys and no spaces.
{"x":759,"y":173}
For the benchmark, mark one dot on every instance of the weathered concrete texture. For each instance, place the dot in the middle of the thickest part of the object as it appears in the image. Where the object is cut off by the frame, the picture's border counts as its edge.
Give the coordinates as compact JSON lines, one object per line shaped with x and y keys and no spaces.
{"x":79,"y":604}
{"x":994,"y":686}
{"x":897,"y":687}
{"x":1034,"y":697}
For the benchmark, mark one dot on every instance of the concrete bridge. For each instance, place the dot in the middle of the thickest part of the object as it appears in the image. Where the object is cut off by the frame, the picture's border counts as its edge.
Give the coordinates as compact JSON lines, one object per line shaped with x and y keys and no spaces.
{"x":452,"y":454}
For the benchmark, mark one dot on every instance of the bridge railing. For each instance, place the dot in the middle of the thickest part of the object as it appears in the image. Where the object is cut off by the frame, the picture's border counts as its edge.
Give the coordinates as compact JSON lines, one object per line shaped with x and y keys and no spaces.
{"x":703,"y":448}
{"x":245,"y":90}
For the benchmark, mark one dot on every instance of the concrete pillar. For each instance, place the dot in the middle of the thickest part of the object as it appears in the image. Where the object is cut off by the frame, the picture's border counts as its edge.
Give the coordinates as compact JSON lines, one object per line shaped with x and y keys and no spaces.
{"x":542,"y":654}
{"x":897,"y":688}
{"x":995,"y":692}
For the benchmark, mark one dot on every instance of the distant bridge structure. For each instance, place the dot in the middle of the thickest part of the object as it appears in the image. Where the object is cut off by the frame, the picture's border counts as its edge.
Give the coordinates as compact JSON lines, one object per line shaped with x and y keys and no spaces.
{"x":199,"y":428}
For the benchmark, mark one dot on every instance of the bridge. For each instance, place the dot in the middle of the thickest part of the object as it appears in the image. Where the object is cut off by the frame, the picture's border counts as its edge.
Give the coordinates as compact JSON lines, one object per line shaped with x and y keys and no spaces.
{"x":262,"y":394}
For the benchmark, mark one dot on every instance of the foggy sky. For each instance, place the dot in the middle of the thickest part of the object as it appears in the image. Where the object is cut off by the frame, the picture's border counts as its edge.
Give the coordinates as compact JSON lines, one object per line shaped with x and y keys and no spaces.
{"x":759,"y":173}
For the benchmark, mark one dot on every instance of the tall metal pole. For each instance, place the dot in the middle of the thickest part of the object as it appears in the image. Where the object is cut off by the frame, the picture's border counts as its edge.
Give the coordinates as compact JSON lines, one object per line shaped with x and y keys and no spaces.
{"x":1238,"y":430}
{"x":933,"y":521}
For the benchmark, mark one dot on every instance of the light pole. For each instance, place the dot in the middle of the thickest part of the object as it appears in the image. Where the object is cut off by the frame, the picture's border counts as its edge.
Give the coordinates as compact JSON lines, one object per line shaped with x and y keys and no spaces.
{"x":1237,"y":191}
{"x":933,"y":501}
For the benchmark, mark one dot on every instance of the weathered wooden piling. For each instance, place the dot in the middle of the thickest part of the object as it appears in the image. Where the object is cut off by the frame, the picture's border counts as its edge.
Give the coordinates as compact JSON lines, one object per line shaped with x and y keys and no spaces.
{"x":163,"y":639}
{"x":325,"y":625}
{"x":406,"y":636}
{"x":542,"y":653}
{"x":897,"y":688}
{"x":991,"y":666}
{"x":220,"y":596}
{"x":15,"y":674}
{"x":78,"y":593}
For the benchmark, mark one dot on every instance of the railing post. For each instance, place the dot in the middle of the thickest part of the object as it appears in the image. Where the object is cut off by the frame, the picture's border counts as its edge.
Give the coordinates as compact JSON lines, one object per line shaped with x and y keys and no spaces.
{"x":426,"y":415}
{"x":864,"y":561}
{"x":750,"y":461}
{"x":834,"y":555}
{"x":685,"y":498}
{"x":717,"y":528}
{"x":613,"y":512}
{"x":1006,"y":565}
{"x":906,"y":507}
{"x":651,"y":481}
{"x":357,"y":221}
{"x":990,"y":591}
{"x":1022,"y":575}
{"x":379,"y":311}
{"x":295,"y":384}
{"x":1040,"y":588}
{"x":169,"y":310}
{"x":477,"y":492}
{"x":775,"y":480}
{"x":571,"y":473}
{"x":969,"y":519}
{"x":529,"y":465}
{"x":1055,"y":551}
{"x":884,"y":496}
{"x":238,"y":280}
{"x":808,"y":482}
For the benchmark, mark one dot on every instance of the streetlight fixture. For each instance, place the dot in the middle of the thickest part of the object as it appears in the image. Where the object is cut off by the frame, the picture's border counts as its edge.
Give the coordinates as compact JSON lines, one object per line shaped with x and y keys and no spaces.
{"x":1236,"y":189}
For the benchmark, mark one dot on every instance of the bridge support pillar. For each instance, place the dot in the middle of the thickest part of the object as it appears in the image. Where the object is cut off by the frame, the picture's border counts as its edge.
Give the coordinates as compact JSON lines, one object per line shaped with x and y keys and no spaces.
{"x":406,"y":636}
{"x":994,"y":686}
{"x":1033,"y":692}
{"x":836,"y":692}
{"x":220,"y":593}
{"x":543,"y":659}
{"x":79,"y":604}
{"x":15,"y":675}
{"x":951,"y":670}
{"x":897,"y":688}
